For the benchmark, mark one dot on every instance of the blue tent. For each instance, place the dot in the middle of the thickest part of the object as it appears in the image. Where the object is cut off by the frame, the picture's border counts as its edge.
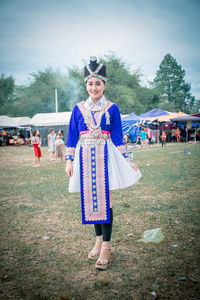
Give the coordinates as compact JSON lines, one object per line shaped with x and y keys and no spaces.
{"x":131,"y":117}
{"x":154,"y":113}
{"x":130,"y":126}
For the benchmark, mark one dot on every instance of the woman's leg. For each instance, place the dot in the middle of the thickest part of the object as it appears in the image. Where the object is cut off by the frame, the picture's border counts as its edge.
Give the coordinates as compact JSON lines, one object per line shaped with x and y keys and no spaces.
{"x":146,"y":143}
{"x":103,"y":233}
{"x":35,"y":161}
{"x":99,"y":228}
{"x":99,"y":238}
{"x":142,"y":144}
{"x":105,"y":249}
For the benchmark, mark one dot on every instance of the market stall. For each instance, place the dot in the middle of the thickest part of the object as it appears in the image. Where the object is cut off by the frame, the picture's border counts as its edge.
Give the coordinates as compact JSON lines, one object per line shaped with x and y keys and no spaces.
{"x":12,"y":133}
{"x":188,"y":122}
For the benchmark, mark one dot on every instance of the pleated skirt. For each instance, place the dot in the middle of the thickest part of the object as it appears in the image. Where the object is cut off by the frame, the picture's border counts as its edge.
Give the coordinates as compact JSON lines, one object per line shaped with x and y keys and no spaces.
{"x":120,"y":173}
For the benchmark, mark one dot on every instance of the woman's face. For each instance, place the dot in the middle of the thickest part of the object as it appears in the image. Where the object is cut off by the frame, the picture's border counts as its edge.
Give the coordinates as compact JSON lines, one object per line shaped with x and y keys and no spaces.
{"x":95,"y":88}
{"x":37,"y":132}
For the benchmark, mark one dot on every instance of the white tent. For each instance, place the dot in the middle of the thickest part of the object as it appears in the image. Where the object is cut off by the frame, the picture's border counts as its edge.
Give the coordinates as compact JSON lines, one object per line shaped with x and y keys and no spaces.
{"x":6,"y":121}
{"x":51,"y":119}
{"x":21,"y":121}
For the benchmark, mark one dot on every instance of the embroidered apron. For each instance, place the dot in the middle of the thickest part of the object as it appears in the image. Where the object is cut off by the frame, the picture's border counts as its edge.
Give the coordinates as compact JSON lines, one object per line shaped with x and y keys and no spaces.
{"x":95,"y":201}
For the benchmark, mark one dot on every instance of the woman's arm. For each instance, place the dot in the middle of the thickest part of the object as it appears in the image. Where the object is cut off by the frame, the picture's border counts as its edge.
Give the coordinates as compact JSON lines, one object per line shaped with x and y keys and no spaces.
{"x":69,"y":168}
{"x":72,"y":140}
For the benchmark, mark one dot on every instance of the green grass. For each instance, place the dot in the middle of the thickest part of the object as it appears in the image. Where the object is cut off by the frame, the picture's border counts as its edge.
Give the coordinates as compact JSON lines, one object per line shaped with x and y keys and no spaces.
{"x":44,"y":246}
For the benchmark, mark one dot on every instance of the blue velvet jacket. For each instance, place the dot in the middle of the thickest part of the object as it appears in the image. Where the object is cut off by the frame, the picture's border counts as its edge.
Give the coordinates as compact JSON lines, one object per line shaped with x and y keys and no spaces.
{"x":77,"y":125}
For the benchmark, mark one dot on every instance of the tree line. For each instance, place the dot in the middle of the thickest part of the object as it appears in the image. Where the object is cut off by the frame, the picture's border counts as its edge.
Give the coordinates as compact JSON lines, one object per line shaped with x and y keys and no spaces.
{"x":168,"y":91}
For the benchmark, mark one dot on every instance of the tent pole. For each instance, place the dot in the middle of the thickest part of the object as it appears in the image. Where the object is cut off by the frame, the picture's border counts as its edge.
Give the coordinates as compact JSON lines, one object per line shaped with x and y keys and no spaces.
{"x":56,"y":100}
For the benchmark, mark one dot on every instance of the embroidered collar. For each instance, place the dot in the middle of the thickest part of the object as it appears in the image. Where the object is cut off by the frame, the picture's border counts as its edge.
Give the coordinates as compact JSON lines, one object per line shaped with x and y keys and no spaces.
{"x":89,"y":102}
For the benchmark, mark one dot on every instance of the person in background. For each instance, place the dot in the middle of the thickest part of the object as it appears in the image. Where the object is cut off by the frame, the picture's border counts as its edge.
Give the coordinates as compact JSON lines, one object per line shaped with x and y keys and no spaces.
{"x":143,"y":136}
{"x":173,"y":135}
{"x":125,"y":139}
{"x":163,"y":138}
{"x":51,"y":143}
{"x":178,"y":134}
{"x":35,"y":141}
{"x":61,"y":132}
{"x":150,"y":135}
{"x":58,"y":148}
{"x":139,"y":140}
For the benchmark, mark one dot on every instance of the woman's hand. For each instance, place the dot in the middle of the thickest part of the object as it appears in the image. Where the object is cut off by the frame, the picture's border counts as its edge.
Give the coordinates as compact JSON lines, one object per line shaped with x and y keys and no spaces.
{"x":69,"y":168}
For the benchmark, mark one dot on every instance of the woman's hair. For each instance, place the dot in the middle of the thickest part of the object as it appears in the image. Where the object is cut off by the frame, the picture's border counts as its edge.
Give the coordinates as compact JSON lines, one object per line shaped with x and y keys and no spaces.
{"x":34,"y":132}
{"x":98,"y":78}
{"x":51,"y":130}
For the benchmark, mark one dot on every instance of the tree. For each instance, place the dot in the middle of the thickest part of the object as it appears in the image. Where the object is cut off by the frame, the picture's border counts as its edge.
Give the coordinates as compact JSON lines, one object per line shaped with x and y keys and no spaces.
{"x":121,"y":83}
{"x":174,"y":91}
{"x":39,"y":95}
{"x":7,"y":94}
{"x":123,"y":87}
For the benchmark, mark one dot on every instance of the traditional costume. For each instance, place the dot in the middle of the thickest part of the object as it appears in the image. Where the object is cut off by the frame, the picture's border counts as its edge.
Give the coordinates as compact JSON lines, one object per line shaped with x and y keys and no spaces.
{"x":58,"y":148}
{"x":95,"y":144}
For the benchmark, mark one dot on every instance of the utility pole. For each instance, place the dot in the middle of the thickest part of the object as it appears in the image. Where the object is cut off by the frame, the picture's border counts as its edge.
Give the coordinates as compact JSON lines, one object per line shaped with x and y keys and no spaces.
{"x":56,"y":100}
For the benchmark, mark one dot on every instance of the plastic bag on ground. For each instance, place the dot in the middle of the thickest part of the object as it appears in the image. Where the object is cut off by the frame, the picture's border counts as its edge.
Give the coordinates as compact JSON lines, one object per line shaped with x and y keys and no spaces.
{"x":152,"y":236}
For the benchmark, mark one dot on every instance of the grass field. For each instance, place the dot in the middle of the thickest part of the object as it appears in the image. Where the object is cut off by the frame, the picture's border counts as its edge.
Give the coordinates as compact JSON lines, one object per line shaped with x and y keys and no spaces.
{"x":44,"y":246}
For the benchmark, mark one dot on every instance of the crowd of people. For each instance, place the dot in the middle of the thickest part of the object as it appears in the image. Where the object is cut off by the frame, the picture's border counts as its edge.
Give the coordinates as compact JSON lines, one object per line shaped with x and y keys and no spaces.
{"x":14,"y":136}
{"x":55,"y":146}
{"x":147,"y":137}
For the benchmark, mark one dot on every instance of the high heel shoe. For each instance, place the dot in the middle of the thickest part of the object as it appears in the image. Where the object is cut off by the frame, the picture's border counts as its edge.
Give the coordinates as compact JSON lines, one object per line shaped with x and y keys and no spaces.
{"x":102,"y":264}
{"x":94,"y":252}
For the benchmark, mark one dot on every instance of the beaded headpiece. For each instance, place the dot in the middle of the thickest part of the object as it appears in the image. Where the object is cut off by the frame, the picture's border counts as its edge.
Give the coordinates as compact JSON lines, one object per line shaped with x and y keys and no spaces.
{"x":95,"y":70}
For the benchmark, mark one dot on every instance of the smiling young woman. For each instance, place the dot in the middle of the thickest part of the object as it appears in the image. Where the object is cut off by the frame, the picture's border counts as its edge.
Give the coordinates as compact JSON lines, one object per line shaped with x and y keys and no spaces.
{"x":100,"y":162}
{"x":95,"y":88}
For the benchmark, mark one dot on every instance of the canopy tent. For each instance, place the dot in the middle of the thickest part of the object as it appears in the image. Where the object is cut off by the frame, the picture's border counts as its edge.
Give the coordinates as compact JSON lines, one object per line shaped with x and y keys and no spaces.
{"x":12,"y":132}
{"x":130,"y":126}
{"x":167,"y":118}
{"x":6,"y":122}
{"x":21,"y":121}
{"x":57,"y":121}
{"x":131,"y":130}
{"x":189,"y":121}
{"x":185,"y":118}
{"x":196,"y":115}
{"x":51,"y":119}
{"x":131,"y":117}
{"x":154,"y":113}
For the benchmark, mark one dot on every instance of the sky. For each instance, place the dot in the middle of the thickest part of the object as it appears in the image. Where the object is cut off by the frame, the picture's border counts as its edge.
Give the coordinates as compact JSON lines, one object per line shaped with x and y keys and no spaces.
{"x":38,"y":34}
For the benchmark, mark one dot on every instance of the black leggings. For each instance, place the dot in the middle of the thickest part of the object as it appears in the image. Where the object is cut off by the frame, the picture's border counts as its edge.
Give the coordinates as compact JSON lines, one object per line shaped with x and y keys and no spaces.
{"x":105,"y":229}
